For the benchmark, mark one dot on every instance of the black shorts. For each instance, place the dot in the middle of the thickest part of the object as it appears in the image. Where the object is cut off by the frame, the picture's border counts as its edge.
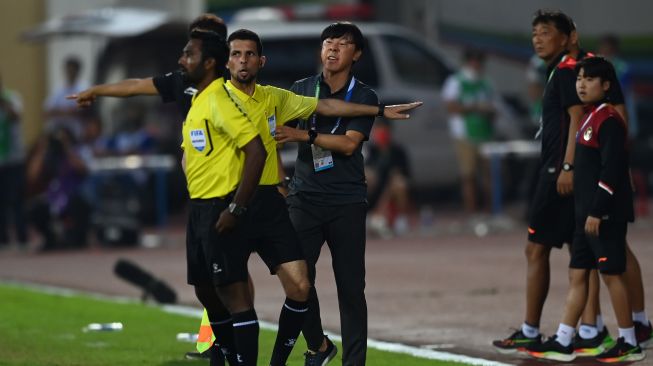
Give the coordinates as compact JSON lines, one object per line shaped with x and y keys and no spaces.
{"x":551,"y":216}
{"x":212,"y":258}
{"x":269,"y":230}
{"x":607,"y":252}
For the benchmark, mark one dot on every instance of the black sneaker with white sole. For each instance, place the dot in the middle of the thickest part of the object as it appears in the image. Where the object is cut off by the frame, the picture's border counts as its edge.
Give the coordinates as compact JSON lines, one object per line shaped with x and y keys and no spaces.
{"x":321,"y":358}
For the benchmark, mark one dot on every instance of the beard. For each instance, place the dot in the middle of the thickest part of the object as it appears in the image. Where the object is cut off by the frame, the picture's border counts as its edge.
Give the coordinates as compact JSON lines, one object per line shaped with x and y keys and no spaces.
{"x":247,"y":80}
{"x":192,"y":77}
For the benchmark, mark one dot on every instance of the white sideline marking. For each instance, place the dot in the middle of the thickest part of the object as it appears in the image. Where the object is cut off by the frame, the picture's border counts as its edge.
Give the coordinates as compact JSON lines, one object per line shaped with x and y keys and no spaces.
{"x":197,"y":313}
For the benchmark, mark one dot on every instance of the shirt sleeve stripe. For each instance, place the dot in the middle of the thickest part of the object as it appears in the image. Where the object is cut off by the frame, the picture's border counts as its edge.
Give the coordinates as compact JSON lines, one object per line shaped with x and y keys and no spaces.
{"x":606,"y":187}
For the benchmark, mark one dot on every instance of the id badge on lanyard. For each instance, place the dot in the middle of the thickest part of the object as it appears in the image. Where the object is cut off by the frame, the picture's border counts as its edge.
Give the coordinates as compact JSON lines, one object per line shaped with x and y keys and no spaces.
{"x":541,"y":121}
{"x":322,"y":158}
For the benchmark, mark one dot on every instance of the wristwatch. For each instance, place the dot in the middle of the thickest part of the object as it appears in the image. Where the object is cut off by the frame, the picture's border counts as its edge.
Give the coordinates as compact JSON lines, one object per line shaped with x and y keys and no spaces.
{"x":312,"y":135}
{"x":284,"y":183}
{"x":236,"y":210}
{"x":381,"y":111}
{"x":567,"y":167}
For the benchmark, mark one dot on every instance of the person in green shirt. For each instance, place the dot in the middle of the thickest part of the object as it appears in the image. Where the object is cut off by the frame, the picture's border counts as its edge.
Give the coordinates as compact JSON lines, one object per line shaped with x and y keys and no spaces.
{"x":470,"y":102}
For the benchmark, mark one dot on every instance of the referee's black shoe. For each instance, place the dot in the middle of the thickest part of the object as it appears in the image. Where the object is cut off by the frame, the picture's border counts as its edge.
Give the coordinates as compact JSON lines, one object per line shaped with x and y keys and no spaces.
{"x":198,"y":355}
{"x":214,"y":355}
{"x":321,"y":358}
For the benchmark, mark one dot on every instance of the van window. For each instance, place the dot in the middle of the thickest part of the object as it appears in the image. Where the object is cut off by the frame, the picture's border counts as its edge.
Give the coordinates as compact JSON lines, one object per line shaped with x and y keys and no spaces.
{"x":289,"y":60}
{"x":414,"y":63}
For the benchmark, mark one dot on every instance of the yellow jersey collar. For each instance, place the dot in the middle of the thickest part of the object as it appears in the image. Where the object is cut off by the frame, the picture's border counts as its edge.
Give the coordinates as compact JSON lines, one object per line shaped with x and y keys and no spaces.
{"x":257,"y":96}
{"x":215,"y":84}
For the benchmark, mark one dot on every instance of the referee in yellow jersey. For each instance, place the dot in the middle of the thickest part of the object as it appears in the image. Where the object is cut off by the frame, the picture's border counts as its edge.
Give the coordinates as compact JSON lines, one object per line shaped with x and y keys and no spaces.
{"x":224,"y":161}
{"x":270,"y":230}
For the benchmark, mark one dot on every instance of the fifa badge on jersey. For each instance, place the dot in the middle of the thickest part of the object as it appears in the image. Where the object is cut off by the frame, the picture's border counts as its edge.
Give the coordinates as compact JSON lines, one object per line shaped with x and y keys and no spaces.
{"x":272,"y":124}
{"x":588,"y":134}
{"x":198,"y":139}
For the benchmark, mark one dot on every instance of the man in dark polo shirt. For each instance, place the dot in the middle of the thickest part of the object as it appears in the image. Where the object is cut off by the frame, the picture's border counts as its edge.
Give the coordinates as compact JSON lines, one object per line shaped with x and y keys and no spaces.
{"x":551,"y":217}
{"x":327,"y":198}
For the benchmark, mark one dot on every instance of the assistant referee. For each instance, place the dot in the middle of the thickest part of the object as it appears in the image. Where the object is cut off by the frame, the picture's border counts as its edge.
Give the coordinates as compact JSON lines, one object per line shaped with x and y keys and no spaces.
{"x":224,"y":161}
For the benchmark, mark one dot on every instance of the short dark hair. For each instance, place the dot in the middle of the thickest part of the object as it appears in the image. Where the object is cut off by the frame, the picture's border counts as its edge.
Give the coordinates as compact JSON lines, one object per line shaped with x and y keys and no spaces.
{"x":340,"y":29}
{"x":213,"y":46}
{"x":247,"y":35}
{"x":208,"y":21}
{"x":597,"y":67}
{"x":560,"y":20}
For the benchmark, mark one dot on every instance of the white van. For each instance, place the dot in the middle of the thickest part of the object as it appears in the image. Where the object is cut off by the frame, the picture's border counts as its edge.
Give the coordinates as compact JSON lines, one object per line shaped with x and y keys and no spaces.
{"x":397,"y":63}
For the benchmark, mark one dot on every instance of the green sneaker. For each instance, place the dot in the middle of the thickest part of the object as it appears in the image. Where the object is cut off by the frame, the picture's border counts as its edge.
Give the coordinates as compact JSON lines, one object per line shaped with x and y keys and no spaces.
{"x":517,"y":342}
{"x":621,"y":352}
{"x":552,"y":350}
{"x":593,"y":346}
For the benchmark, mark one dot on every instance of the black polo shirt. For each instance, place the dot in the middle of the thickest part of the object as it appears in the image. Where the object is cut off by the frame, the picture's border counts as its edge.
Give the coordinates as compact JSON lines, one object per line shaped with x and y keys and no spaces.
{"x":344,"y":183}
{"x":559,"y":95}
{"x":172,"y":87}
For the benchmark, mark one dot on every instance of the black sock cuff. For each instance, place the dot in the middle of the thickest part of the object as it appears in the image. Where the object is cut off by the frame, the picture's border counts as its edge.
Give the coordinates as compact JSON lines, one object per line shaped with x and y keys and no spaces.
{"x":296,"y":306}
{"x":244,"y":318}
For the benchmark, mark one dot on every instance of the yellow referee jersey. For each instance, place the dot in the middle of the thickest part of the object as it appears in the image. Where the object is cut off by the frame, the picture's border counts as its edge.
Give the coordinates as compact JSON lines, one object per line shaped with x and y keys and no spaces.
{"x":268,"y":107}
{"x":214,"y":132}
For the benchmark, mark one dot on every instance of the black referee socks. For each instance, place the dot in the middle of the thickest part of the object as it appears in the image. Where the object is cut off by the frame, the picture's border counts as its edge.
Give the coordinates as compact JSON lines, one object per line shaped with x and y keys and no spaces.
{"x":246,"y":336}
{"x":224,"y":336}
{"x":291,"y":320}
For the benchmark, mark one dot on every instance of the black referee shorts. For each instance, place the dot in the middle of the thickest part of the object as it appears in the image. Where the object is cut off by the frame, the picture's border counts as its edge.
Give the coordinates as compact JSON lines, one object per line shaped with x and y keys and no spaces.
{"x":212,"y":258}
{"x":607,"y":252}
{"x":269,"y":230}
{"x":551,"y":216}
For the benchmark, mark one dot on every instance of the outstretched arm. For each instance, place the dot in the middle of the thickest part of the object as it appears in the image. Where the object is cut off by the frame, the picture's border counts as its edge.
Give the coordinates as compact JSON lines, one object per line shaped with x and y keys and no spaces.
{"x":338,"y":108}
{"x":125,"y":88}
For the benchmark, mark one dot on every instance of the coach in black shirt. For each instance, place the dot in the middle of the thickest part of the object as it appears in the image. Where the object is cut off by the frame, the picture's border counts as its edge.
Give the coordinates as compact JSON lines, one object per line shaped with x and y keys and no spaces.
{"x":328,"y":193}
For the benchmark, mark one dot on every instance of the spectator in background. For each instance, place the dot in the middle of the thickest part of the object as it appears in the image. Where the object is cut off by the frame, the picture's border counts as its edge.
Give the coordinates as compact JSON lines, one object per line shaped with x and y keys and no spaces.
{"x":61,"y":215}
{"x":61,"y":112}
{"x":469,"y":98}
{"x":610,"y":48}
{"x":387,"y":172}
{"x":12,"y":167}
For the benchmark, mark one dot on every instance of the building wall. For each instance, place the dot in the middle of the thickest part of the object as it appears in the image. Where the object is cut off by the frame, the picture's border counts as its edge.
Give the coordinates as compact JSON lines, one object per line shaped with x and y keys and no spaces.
{"x":22,"y":64}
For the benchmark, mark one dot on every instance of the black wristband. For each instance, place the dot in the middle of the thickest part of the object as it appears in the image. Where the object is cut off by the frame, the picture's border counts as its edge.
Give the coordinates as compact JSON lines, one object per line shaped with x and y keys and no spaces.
{"x":381,"y":110}
{"x":312,"y":135}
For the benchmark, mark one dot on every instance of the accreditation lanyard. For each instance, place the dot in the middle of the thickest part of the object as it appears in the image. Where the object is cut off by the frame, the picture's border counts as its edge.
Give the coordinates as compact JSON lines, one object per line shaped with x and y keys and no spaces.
{"x":563,"y":59}
{"x":589,"y":118}
{"x":350,"y":89}
{"x":541,"y":128}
